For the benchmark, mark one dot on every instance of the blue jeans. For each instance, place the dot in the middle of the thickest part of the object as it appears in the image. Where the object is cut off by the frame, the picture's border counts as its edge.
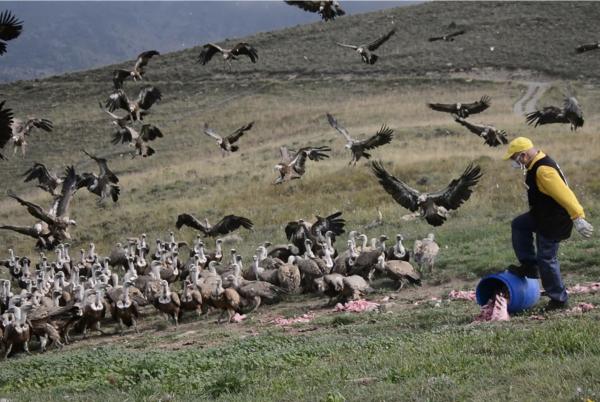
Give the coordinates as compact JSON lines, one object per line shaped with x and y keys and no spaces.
{"x":523,"y":228}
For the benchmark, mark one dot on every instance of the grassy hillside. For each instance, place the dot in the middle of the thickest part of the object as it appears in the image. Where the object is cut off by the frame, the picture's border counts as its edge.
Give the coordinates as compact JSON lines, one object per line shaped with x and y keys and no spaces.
{"x":418,"y":352}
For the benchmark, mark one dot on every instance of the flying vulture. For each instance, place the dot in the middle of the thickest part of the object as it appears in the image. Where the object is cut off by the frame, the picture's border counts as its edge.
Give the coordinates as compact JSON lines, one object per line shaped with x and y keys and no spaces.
{"x":21,"y":129}
{"x":146,"y":98}
{"x":448,"y":37}
{"x":365,"y":50}
{"x":10,"y":28}
{"x":53,"y":225}
{"x":122,"y":122}
{"x":328,"y":9}
{"x":587,"y":47}
{"x":298,"y":231}
{"x":6,"y":119}
{"x":463,"y":109}
{"x":227,"y":144}
{"x":434,"y":206}
{"x":570,"y":113}
{"x":138,"y":140}
{"x":120,"y":75}
{"x":102,"y":184}
{"x":47,"y":180}
{"x":226,"y":225}
{"x":359,"y":147}
{"x":242,"y":48}
{"x":293,"y":164}
{"x":491,"y":135}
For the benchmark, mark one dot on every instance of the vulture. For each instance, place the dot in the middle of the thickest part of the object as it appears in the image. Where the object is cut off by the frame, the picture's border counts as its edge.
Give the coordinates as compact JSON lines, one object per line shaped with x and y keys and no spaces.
{"x":365,"y":50}
{"x":463,"y":109}
{"x":297,"y":232}
{"x":53,"y":225}
{"x":491,"y":135}
{"x":359,"y":147}
{"x":120,"y":75}
{"x":102,"y":184}
{"x":434,"y":206}
{"x":122,"y":122}
{"x":6,"y":118}
{"x":587,"y":47}
{"x":146,"y":98}
{"x":448,"y":37}
{"x":328,"y":9}
{"x":227,"y":144}
{"x":10,"y":28}
{"x":570,"y":113}
{"x":242,"y":48}
{"x":293,"y":163}
{"x":21,"y":129}
{"x":226,"y":225}
{"x":138,"y":140}
{"x":47,"y":181}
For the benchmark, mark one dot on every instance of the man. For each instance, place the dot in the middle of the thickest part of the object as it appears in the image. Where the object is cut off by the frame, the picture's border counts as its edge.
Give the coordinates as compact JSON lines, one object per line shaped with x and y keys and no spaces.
{"x":553,"y":211}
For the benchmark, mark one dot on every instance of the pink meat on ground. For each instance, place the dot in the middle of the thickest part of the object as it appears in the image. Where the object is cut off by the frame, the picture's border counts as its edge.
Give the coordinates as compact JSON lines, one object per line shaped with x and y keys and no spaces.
{"x":356,"y":306}
{"x":462,"y":295}
{"x":496,"y":309}
{"x":585,"y":288}
{"x":304,"y":318}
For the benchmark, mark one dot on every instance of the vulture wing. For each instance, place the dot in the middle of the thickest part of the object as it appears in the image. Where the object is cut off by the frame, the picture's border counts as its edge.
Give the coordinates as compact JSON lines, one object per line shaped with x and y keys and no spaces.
{"x":210,"y":132}
{"x":291,"y":229}
{"x":6,"y":117}
{"x":40,"y":173}
{"x":334,"y":123}
{"x":117,"y":100}
{"x":381,"y":40}
{"x":69,"y":188}
{"x":123,"y":135}
{"x":444,"y":107}
{"x":245,"y":49}
{"x":573,"y":111}
{"x":333,"y":223}
{"x":191,"y":221}
{"x":400,"y":191}
{"x":313,"y":153}
{"x":453,"y":34}
{"x":345,"y":45}
{"x":230,"y":223}
{"x":311,"y":6}
{"x":43,"y":124}
{"x":150,"y":132}
{"x":148,"y":96}
{"x":34,"y":210}
{"x":478,"y":106}
{"x":548,"y":115}
{"x":24,"y":230}
{"x":104,"y":170}
{"x":119,"y":76}
{"x":459,"y":190}
{"x":472,"y":127}
{"x":382,"y":137}
{"x":587,"y":47}
{"x":144,"y":57}
{"x":208,"y":51}
{"x":233,"y":137}
{"x":434,"y":38}
{"x":10,"y":28}
{"x":285,"y":155}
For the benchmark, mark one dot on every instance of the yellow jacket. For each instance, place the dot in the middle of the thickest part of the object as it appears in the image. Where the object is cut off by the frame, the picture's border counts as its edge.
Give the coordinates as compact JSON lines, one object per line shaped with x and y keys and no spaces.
{"x":550,"y":183}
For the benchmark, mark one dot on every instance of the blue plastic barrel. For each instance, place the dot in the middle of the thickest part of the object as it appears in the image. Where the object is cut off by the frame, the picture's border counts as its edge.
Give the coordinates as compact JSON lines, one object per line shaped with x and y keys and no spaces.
{"x":523,"y":293}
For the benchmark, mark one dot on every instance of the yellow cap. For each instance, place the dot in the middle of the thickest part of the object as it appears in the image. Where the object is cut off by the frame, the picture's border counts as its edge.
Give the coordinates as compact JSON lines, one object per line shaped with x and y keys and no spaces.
{"x":519,"y":144}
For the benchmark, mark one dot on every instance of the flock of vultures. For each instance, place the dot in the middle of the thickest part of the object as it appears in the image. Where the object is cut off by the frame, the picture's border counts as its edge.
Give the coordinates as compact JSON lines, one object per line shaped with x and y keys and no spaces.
{"x":58,"y":295}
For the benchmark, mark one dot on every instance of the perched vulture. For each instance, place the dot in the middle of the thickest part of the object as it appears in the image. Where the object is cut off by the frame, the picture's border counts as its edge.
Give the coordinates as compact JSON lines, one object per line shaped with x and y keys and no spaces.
{"x":448,"y":37}
{"x":226,"y":225}
{"x":10,"y":28}
{"x":491,"y":135}
{"x":53,"y":225}
{"x":6,"y":118}
{"x":226,"y":144}
{"x":294,"y":167}
{"x":21,"y":129}
{"x":365,"y":50}
{"x":359,"y":147}
{"x":138,"y":140}
{"x":328,"y":9}
{"x":242,"y":48}
{"x":102,"y":184}
{"x":146,"y":98}
{"x":47,"y":180}
{"x":587,"y":47}
{"x":297,"y":232}
{"x":138,"y":70}
{"x":434,"y":206}
{"x":570,"y":113}
{"x":463,"y":109}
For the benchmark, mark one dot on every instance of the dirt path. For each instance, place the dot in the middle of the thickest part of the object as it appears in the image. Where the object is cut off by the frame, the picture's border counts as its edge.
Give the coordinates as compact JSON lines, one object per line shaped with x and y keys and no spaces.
{"x":527,"y":103}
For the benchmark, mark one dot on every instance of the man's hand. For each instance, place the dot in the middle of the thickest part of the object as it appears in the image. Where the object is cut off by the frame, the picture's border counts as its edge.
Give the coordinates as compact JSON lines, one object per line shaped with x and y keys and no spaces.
{"x":583,"y":227}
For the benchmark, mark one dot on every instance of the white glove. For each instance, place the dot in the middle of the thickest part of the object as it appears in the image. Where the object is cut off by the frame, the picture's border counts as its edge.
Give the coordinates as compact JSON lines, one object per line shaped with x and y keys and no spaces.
{"x":583,"y":227}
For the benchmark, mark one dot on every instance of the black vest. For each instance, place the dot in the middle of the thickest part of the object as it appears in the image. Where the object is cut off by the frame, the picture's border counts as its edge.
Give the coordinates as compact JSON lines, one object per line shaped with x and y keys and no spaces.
{"x":551,"y":219}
